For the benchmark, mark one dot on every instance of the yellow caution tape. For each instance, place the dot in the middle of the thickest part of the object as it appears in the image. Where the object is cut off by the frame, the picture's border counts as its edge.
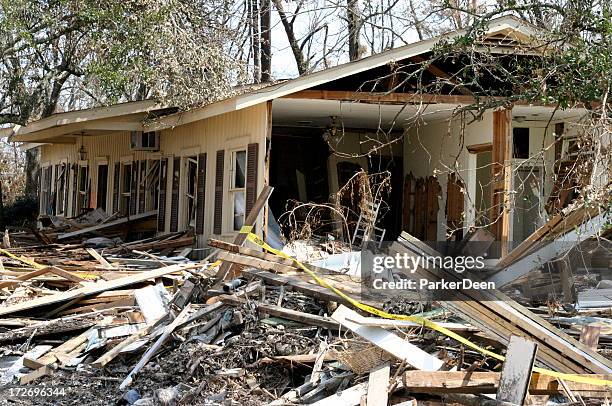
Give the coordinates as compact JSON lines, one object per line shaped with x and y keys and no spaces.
{"x":415,"y":319}
{"x":24,"y":260}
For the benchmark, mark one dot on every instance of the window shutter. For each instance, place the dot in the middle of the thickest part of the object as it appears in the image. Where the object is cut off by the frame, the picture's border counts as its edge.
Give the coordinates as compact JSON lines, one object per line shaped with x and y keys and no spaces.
{"x":251,"y":176}
{"x":55,"y":185}
{"x":116,"y":187}
{"x":66,"y":187}
{"x":41,"y":203}
{"x":201,"y":194}
{"x":142,"y":186}
{"x":75,"y":189}
{"x":174,"y":209}
{"x":49,"y":202}
{"x":163,"y":185}
{"x":134,"y":188}
{"x":218,"y":218}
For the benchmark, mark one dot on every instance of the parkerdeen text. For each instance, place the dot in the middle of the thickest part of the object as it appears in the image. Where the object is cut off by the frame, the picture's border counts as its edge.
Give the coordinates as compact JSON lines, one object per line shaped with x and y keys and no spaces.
{"x":412,"y":284}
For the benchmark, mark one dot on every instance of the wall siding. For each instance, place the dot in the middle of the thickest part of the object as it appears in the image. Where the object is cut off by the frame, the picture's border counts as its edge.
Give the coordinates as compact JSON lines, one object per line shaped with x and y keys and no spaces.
{"x":228,"y":131}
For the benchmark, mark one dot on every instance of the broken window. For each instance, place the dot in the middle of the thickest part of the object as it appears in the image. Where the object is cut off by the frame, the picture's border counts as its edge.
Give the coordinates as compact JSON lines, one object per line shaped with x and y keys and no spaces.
{"x":520,"y":142}
{"x":238,"y":188}
{"x":126,"y":187}
{"x":191,"y":176}
{"x":102,"y":191}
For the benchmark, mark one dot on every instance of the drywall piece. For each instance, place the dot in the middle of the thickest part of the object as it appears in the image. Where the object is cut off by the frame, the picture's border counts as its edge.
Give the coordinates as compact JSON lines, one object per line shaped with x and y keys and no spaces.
{"x":386,"y":340}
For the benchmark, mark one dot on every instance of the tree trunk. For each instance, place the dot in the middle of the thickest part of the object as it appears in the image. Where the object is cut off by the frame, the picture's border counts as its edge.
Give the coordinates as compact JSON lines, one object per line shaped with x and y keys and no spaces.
{"x":352,"y":17}
{"x":295,"y":47}
{"x":266,"y":41}
{"x":255,"y":38}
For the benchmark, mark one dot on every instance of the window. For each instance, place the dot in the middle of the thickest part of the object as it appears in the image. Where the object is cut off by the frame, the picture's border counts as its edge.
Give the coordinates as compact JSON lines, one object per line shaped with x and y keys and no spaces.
{"x":520,"y":141}
{"x":102,"y":186}
{"x":82,"y":189}
{"x":191,"y":178}
{"x":144,"y":141}
{"x":238,"y":188}
{"x":60,"y":188}
{"x":126,"y":188}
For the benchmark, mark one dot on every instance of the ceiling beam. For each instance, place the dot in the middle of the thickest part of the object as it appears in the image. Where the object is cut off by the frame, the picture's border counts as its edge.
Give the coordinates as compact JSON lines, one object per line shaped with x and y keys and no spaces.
{"x":433,"y":69}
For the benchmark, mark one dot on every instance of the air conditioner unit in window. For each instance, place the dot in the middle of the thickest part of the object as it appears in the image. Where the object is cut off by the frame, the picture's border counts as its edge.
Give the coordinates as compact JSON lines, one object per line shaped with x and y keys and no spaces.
{"x":144,"y":141}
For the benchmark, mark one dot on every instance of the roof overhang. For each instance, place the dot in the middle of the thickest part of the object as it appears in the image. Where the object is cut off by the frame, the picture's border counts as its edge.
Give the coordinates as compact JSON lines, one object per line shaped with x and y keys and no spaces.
{"x":509,"y":26}
{"x":62,"y":127}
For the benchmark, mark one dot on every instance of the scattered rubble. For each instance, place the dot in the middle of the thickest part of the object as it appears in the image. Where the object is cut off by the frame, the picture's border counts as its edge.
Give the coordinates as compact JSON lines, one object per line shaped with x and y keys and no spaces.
{"x":138,"y":323}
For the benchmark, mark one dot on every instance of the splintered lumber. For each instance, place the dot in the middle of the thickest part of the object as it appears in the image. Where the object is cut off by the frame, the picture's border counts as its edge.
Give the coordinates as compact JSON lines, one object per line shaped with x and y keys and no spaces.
{"x":500,"y":317}
{"x":378,"y":385}
{"x":99,"y":258}
{"x":66,"y":348}
{"x":34,"y":375}
{"x":548,"y":251}
{"x":487,"y":382}
{"x":168,"y":330}
{"x":516,"y":373}
{"x":116,"y":350}
{"x":255,"y":262}
{"x":54,"y":326}
{"x":289,"y":314}
{"x":238,"y":249}
{"x":94,"y":288}
{"x":249,"y":221}
{"x":387,"y":341}
{"x":25,"y":277}
{"x":101,"y":226}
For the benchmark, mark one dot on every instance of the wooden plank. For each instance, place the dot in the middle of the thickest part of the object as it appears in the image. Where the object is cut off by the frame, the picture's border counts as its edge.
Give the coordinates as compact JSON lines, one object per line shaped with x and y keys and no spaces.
{"x":116,"y":350}
{"x":94,"y":288}
{"x":548,"y":251}
{"x":97,"y":227}
{"x":168,"y":330}
{"x":34,"y":375}
{"x":501,"y":317}
{"x":66,"y":275}
{"x":251,"y":218}
{"x":99,"y":258}
{"x":386,"y":340}
{"x":25,"y":277}
{"x":516,"y":373}
{"x":226,"y":246}
{"x":487,"y":382}
{"x":255,"y":262}
{"x":378,"y":385}
{"x":501,"y":176}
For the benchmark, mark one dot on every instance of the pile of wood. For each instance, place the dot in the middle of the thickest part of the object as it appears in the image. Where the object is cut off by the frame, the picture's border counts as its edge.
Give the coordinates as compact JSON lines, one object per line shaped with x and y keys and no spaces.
{"x":141,"y":324}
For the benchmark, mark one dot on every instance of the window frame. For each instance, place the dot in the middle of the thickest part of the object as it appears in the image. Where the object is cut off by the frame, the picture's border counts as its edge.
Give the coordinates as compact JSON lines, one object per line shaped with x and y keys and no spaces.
{"x":60,"y":209}
{"x":82,"y":194}
{"x":233,"y":190}
{"x":125,"y":195}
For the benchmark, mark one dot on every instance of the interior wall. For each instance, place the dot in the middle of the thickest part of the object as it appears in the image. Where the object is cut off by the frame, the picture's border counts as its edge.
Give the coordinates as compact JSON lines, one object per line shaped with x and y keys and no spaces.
{"x":438,"y":148}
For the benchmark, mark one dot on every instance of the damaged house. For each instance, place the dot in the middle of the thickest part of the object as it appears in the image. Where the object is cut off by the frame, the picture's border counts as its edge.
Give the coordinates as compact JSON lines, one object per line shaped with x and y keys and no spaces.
{"x":203,"y":168}
{"x":138,"y":322}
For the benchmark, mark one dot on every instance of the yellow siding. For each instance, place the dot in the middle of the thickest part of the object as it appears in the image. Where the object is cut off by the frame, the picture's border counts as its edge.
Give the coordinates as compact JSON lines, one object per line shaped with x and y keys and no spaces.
{"x":228,"y":131}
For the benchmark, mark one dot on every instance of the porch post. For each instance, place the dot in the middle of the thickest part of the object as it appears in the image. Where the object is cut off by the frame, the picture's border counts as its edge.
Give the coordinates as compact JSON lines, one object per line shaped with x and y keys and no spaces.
{"x":501,"y":171}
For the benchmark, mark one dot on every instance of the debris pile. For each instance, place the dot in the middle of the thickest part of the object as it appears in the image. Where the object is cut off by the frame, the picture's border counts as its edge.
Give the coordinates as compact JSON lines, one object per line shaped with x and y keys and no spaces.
{"x":141,"y":324}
